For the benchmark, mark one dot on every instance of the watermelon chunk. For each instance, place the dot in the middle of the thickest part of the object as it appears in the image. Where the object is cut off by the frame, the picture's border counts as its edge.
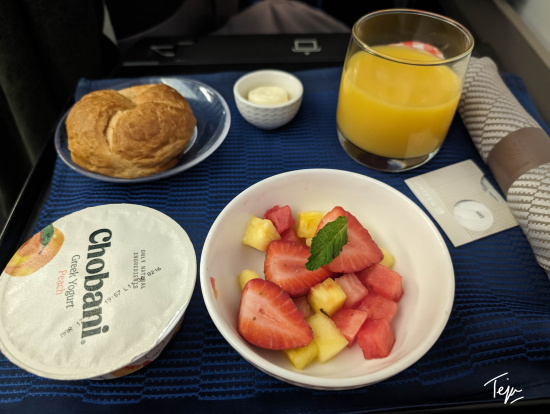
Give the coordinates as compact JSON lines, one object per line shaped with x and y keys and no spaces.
{"x":382,"y":280}
{"x":353,"y":288}
{"x":281,"y":217}
{"x":378,"y":307}
{"x":376,"y":338}
{"x":292,"y":236}
{"x":349,"y":321}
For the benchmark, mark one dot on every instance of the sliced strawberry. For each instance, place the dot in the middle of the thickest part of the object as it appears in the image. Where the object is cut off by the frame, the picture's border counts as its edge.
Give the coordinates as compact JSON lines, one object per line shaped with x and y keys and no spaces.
{"x":285,"y":265}
{"x":353,"y":288}
{"x":382,"y":280}
{"x":359,"y":252}
{"x":281,"y":217}
{"x":349,"y":321}
{"x":268,"y":317}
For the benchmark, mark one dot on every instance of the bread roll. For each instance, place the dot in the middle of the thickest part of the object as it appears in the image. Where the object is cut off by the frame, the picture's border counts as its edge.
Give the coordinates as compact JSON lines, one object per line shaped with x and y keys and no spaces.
{"x":130,"y":133}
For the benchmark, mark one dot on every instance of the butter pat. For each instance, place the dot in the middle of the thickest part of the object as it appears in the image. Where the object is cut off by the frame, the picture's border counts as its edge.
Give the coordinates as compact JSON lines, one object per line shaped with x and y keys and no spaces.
{"x":268,"y":95}
{"x":97,"y":294}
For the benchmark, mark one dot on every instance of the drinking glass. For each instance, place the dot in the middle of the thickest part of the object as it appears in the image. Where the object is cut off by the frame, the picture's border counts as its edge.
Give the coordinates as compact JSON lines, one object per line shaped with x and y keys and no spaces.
{"x":401,"y":83}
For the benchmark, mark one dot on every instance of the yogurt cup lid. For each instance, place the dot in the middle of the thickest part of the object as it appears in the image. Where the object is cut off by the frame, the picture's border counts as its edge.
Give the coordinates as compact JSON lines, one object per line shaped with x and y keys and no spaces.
{"x":95,"y":291}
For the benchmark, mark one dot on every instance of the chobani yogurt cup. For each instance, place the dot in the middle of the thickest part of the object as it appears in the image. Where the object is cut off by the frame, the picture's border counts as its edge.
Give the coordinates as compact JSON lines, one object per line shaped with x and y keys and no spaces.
{"x":96,"y":294}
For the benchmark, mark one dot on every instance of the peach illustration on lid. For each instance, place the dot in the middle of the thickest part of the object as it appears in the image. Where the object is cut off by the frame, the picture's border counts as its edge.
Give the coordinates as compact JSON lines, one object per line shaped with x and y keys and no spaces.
{"x":36,"y":252}
{"x":97,"y":294}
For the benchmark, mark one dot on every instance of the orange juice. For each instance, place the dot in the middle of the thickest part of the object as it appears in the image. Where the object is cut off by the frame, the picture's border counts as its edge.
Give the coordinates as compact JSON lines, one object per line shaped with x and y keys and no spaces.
{"x":396,"y":109}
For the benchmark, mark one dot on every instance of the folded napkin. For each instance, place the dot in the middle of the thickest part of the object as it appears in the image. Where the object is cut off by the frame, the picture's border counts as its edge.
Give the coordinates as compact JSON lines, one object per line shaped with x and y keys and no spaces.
{"x":515,"y":148}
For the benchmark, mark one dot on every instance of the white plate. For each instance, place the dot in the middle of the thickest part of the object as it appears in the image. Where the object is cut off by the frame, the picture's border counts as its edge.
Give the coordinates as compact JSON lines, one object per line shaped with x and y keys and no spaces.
{"x":395,"y":223}
{"x":213,"y":121}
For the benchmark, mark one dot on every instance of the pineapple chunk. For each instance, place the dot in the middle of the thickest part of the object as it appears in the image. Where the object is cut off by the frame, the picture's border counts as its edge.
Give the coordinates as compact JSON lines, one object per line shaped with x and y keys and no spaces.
{"x":308,"y":222}
{"x":247,"y":275}
{"x":388,"y":259}
{"x":308,"y":241}
{"x":326,"y":297}
{"x":326,"y":336}
{"x":259,"y":233}
{"x":302,"y":357}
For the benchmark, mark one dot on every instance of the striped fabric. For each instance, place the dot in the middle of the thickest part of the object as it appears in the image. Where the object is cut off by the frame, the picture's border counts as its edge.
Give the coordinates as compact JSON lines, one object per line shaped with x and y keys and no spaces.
{"x":488,"y":108}
{"x":529,"y":200}
{"x":490,"y":112}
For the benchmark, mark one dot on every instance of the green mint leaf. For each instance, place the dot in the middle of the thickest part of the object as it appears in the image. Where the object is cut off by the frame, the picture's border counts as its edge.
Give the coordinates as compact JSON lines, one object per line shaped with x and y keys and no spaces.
{"x":327,"y":243}
{"x":47,"y":234}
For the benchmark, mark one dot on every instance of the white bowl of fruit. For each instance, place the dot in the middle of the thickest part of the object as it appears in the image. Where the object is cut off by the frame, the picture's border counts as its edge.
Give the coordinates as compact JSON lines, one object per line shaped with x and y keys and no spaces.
{"x":327,"y":279}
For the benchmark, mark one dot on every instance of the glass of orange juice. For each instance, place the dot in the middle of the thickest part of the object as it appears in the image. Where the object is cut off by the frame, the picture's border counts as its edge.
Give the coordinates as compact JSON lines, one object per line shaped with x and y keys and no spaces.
{"x":400,"y":87}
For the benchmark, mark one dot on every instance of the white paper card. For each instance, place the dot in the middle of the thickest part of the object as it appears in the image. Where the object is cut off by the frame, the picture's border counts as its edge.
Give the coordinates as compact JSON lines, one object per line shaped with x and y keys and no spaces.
{"x":463,"y":202}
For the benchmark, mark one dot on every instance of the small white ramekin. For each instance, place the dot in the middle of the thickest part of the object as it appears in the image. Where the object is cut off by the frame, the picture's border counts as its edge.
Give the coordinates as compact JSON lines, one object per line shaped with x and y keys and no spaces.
{"x":268,"y":116}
